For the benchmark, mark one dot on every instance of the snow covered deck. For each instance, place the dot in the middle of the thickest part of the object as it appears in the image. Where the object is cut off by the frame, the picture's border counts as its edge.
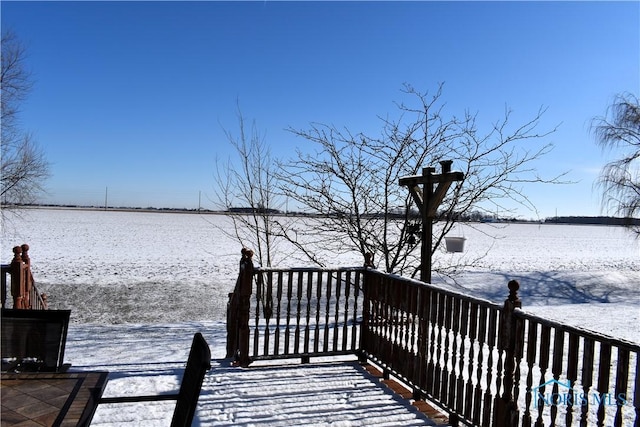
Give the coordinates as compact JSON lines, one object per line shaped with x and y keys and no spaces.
{"x":146,"y":359}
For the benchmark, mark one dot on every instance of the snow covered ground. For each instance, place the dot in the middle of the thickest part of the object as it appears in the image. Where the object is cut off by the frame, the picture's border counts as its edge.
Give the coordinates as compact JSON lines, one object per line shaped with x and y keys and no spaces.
{"x":140,"y":284}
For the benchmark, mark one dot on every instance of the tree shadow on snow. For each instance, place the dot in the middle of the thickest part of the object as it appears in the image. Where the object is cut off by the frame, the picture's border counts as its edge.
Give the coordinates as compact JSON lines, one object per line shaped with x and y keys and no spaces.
{"x":549,"y":288}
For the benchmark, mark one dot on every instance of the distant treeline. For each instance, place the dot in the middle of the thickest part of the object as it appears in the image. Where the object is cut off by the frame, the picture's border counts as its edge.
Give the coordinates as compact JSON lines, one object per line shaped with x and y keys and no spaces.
{"x":413,"y":214}
{"x":593,"y":220}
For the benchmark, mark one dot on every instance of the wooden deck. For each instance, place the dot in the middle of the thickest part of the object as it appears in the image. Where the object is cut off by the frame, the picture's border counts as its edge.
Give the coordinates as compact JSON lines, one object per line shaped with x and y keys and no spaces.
{"x":50,"y":399}
{"x":341,"y":392}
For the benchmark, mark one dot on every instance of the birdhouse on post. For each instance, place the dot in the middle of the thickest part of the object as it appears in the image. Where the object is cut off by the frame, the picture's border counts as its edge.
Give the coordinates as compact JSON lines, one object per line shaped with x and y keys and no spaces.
{"x":428,"y":198}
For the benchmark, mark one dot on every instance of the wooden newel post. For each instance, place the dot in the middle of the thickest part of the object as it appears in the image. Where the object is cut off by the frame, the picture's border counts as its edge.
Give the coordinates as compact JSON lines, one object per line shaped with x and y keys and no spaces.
{"x":238,"y":312}
{"x":28,"y":277}
{"x":506,"y":412}
{"x":19,"y":279}
{"x":368,"y":260}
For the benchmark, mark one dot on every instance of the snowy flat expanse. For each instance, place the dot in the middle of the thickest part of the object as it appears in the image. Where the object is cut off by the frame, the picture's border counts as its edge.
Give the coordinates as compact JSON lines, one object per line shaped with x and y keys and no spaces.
{"x":140,"y":284}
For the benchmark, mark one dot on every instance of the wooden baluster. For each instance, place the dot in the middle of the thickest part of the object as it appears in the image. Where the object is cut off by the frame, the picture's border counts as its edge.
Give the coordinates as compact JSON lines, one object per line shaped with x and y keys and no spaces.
{"x":556,"y":368}
{"x":279,"y":290}
{"x":455,"y":355}
{"x":381,"y":316}
{"x":393,"y":324}
{"x":464,"y":327}
{"x":403,"y":326}
{"x":372,"y":307}
{"x":358,"y":283}
{"x":572,"y":374}
{"x":622,"y":371}
{"x":336,"y":319}
{"x":267,"y":307}
{"x":477,"y":395}
{"x":414,"y":366}
{"x":491,"y":342}
{"x":287,"y":330}
{"x":387,"y":316}
{"x":316,"y":334}
{"x":588,"y":357}
{"x":518,"y":353}
{"x":307,"y":331}
{"x":259,"y":294}
{"x":327,"y":313}
{"x":545,"y":349}
{"x":403,"y":343}
{"x":345,"y":321}
{"x":532,"y":347}
{"x":473,"y":333}
{"x":432,"y":315}
{"x":448,"y":311}
{"x":421,"y":339}
{"x":296,"y":337}
{"x":437,"y":376}
{"x":604,"y":374}
{"x":427,"y":374}
{"x":502,"y":349}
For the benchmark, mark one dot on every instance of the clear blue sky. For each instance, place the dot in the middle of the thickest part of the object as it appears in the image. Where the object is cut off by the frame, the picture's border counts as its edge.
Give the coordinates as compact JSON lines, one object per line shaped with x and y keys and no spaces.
{"x":134,"y":96}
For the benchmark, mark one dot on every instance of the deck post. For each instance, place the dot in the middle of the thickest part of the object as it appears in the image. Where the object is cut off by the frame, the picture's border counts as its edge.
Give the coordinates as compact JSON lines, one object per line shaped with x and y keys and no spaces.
{"x":366,"y":309}
{"x":428,"y":198}
{"x":18,"y":279}
{"x":506,"y":412}
{"x":238,"y":312}
{"x":28,"y":277}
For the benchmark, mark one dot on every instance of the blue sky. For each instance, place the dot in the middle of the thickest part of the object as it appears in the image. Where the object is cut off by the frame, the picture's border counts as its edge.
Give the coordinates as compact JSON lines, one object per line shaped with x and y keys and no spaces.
{"x":134,"y":96}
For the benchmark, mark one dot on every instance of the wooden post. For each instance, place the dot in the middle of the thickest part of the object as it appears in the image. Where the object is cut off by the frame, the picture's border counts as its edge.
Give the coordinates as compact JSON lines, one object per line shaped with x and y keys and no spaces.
{"x":28,"y":277}
{"x":427,"y":225}
{"x":428,"y":199}
{"x":368,"y":260}
{"x":238,"y":312}
{"x":506,"y":412}
{"x":18,"y":279}
{"x":366,"y":310}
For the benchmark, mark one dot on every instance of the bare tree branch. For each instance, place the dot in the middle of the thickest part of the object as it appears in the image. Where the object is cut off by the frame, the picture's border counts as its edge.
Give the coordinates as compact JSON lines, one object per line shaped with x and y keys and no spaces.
{"x":352,"y":178}
{"x":23,"y":166}
{"x":246,"y":190}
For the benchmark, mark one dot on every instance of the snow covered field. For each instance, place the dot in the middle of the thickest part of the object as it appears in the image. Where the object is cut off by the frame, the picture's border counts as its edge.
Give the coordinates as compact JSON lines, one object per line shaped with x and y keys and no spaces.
{"x":140,"y":284}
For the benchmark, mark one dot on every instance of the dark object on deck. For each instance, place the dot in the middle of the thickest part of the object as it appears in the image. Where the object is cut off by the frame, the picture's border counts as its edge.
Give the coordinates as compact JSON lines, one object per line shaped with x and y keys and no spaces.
{"x":34,"y":340}
{"x":198,"y":364}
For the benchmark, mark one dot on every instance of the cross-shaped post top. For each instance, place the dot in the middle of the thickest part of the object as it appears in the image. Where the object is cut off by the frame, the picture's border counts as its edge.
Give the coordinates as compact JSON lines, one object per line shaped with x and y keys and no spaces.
{"x":429,"y":177}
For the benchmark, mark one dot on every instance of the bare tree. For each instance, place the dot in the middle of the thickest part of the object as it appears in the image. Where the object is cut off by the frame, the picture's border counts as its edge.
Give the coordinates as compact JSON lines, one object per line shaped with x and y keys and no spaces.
{"x":246,"y":190}
{"x":619,"y":180}
{"x":23,"y":165}
{"x":352,"y":178}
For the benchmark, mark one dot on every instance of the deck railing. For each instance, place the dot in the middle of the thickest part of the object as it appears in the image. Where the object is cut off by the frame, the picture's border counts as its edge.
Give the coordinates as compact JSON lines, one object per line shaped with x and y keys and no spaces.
{"x":442,"y":344}
{"x":294,"y":313}
{"x":571,"y":376}
{"x":483,"y":363}
{"x":24,"y":293}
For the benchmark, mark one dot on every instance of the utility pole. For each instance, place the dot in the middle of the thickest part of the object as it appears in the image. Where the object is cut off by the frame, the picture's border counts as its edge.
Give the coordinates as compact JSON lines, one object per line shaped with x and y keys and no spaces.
{"x":428,"y":198}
